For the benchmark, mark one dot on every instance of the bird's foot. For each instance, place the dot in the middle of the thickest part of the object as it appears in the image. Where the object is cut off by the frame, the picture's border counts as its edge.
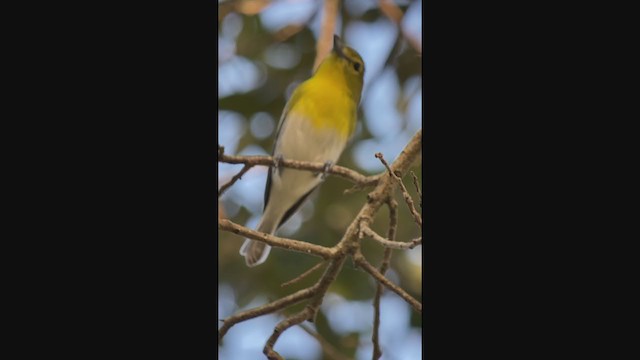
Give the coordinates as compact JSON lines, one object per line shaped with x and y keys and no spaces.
{"x":277,"y":161}
{"x":325,"y":169}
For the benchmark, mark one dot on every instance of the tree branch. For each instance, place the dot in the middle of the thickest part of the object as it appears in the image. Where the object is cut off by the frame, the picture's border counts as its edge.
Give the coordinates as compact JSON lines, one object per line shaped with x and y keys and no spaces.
{"x":233,"y":180}
{"x":405,"y":193}
{"x":393,"y":224}
{"x":349,"y":244}
{"x":289,"y":244}
{"x":340,"y":171}
{"x":364,"y":264}
{"x":280,"y":328}
{"x":323,"y":45}
{"x":328,"y":349}
{"x":273,"y":306}
{"x":415,"y":183}
{"x":393,"y":12}
{"x":390,"y":244}
{"x":310,"y":311}
{"x":303,"y":275}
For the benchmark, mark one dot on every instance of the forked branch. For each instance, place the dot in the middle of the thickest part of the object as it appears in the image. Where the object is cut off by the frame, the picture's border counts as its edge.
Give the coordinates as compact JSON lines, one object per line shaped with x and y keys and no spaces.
{"x":348,"y":246}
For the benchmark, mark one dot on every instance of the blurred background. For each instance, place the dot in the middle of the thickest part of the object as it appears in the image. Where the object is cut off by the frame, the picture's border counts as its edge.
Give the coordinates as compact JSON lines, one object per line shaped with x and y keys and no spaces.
{"x":265,"y":49}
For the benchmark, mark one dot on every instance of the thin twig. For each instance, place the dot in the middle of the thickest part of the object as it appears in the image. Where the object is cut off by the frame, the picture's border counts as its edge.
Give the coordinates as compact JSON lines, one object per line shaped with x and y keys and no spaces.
{"x":323,"y":283}
{"x":391,"y":234}
{"x":329,"y":350}
{"x":364,"y":264}
{"x":327,"y":347}
{"x":303,"y":275}
{"x":233,"y":180}
{"x":290,"y":30}
{"x":384,"y":162}
{"x":412,"y":208}
{"x":415,"y":183}
{"x":391,"y":244}
{"x":405,"y":193}
{"x":392,"y":204}
{"x":290,"y":244}
{"x":310,"y":311}
{"x":273,"y":306}
{"x":280,"y":328}
{"x":341,"y":171}
{"x":355,"y":188}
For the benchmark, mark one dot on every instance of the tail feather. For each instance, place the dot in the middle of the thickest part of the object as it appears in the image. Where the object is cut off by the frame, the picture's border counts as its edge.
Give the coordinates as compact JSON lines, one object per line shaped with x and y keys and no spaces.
{"x":255,"y":252}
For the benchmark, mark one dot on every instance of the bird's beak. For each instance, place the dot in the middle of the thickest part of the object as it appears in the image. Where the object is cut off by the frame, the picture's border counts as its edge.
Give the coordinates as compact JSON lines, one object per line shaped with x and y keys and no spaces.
{"x":338,"y":45}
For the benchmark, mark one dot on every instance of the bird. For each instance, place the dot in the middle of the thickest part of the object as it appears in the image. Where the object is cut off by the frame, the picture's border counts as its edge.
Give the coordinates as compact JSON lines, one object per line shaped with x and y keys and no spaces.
{"x":316,"y":124}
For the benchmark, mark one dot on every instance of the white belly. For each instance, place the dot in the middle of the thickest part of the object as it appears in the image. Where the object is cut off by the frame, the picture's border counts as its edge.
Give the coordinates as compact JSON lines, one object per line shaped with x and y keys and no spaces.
{"x":298,"y":140}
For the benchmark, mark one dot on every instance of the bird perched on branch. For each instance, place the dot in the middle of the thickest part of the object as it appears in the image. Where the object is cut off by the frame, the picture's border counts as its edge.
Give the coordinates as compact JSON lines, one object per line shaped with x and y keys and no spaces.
{"x":316,"y":124}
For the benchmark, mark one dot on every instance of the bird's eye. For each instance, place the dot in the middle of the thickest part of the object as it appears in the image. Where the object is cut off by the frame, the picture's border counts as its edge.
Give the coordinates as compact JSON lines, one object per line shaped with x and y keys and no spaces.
{"x":356,"y":66}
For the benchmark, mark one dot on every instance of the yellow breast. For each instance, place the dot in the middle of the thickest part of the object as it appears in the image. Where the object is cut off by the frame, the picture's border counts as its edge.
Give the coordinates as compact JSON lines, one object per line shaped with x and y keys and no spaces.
{"x":327,"y":104}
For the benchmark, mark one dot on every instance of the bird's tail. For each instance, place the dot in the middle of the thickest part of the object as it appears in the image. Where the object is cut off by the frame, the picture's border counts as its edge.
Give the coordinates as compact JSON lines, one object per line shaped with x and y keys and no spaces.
{"x":255,"y":252}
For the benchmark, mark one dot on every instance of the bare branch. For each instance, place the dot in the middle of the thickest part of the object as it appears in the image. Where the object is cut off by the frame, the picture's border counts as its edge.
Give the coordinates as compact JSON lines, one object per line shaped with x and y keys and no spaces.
{"x":349,"y":244}
{"x":392,"y":244}
{"x":328,"y":349}
{"x":357,"y":187}
{"x":266,"y":309}
{"x":233,"y":180}
{"x":310,"y":311}
{"x":393,"y":219}
{"x":364,"y":264}
{"x":280,"y":328}
{"x":288,"y":31}
{"x":393,"y":224}
{"x":392,"y":204}
{"x":323,"y":283}
{"x":343,"y":172}
{"x":323,"y":46}
{"x":303,"y":275}
{"x":415,"y":183}
{"x":294,"y":245}
{"x":412,"y":208}
{"x":377,"y":351}
{"x":405,"y":193}
{"x":409,"y":154}
{"x":393,"y":12}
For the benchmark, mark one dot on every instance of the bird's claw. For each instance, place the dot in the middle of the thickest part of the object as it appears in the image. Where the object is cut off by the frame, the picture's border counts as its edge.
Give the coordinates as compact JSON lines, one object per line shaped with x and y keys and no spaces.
{"x":325,"y":169}
{"x":277,"y":160}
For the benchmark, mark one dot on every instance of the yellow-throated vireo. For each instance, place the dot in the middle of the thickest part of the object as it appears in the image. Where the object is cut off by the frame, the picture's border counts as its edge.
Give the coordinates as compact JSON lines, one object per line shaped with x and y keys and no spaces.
{"x":315,"y":126}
